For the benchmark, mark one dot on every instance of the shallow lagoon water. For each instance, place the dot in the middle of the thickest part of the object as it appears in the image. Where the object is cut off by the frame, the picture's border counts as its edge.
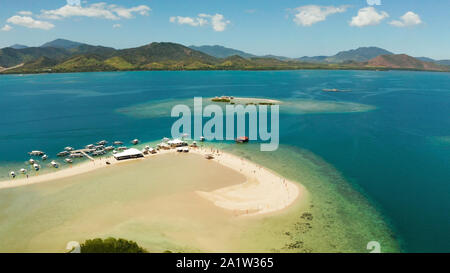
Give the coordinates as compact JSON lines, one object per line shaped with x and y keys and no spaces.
{"x":383,"y":152}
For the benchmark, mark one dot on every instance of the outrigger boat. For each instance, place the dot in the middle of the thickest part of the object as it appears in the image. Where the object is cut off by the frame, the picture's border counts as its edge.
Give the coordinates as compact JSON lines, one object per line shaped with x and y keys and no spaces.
{"x":102,"y":142}
{"x":109,"y":148}
{"x":135,"y":141}
{"x":36,"y":167}
{"x":62,"y":154}
{"x":242,"y":139}
{"x":68,"y":148}
{"x":68,"y":160}
{"x":36,"y":153}
{"x":118,"y":143}
{"x":76,"y":155}
{"x":54,"y":164}
{"x":44,"y":157}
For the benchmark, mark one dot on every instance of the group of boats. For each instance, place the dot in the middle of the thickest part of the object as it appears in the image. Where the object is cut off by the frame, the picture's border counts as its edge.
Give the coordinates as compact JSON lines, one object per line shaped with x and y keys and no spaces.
{"x":69,"y":154}
{"x":100,"y":148}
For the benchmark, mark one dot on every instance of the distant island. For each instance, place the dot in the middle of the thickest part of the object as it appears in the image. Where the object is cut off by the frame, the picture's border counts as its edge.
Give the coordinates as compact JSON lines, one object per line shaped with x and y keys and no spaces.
{"x":61,"y":56}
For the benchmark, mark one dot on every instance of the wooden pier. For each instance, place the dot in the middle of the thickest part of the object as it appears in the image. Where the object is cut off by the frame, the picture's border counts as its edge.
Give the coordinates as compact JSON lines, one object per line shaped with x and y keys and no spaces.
{"x":84,"y":153}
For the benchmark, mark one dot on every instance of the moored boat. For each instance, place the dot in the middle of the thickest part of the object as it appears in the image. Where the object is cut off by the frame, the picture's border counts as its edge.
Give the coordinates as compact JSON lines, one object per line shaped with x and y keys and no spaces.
{"x":54,"y":164}
{"x":242,"y":139}
{"x":63,"y":153}
{"x":102,"y":142}
{"x":36,"y":153}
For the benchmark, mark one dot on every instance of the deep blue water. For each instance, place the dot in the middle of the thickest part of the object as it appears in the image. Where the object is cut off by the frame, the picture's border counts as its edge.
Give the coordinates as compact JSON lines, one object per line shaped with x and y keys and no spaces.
{"x":397,"y":154}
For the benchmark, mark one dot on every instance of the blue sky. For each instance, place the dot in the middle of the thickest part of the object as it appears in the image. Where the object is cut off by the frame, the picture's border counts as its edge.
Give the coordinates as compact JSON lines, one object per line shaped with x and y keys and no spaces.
{"x":289,"y":28}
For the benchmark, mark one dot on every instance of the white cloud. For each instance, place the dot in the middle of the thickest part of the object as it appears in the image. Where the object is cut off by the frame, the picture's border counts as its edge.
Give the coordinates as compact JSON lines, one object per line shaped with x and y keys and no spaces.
{"x":74,"y":2}
{"x":374,"y":2}
{"x":29,"y":22}
{"x":128,"y":13}
{"x":217,"y":21}
{"x":25,"y":12}
{"x":96,"y":10}
{"x":117,"y":26}
{"x":311,"y":14}
{"x":368,"y":16}
{"x":6,"y":28}
{"x":195,"y":22}
{"x":408,"y":19}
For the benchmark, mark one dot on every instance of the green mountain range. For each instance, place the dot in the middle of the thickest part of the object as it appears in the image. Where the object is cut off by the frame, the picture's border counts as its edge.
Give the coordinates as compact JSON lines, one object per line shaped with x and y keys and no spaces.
{"x":67,"y":56}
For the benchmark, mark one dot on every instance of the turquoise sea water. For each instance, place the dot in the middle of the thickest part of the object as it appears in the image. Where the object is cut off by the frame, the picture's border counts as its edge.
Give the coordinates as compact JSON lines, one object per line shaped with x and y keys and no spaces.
{"x":388,"y":137}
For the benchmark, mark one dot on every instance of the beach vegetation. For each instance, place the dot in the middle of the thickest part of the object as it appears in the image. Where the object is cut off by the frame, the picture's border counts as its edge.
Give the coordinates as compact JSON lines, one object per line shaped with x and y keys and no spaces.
{"x":111,"y":245}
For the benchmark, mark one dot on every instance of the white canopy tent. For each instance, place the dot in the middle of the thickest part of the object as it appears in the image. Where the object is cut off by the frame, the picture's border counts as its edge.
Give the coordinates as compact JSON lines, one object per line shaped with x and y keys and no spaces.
{"x":129,"y":154}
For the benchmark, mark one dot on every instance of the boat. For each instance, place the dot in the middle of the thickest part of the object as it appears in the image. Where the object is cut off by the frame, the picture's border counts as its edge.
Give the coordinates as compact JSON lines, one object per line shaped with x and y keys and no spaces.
{"x":13,"y":174}
{"x":135,"y":141}
{"x":63,"y":153}
{"x":118,"y":143}
{"x":31,"y":161}
{"x":164,"y":146}
{"x":194,"y":144}
{"x":102,"y":142}
{"x":334,"y":90}
{"x":109,"y":148}
{"x":177,"y":143}
{"x":90,"y":146}
{"x":152,"y":151}
{"x":36,"y":167}
{"x":209,"y":156}
{"x":68,"y":160}
{"x":330,"y":90}
{"x":242,"y":139}
{"x":97,"y":153}
{"x":122,"y":148}
{"x":44,"y":157}
{"x":76,"y":155}
{"x":68,"y":148}
{"x":180,"y":149}
{"x":54,"y":164}
{"x":99,"y":148}
{"x":23,"y":171}
{"x":145,"y":151}
{"x":165,"y":139}
{"x":185,"y":150}
{"x":36,"y":153}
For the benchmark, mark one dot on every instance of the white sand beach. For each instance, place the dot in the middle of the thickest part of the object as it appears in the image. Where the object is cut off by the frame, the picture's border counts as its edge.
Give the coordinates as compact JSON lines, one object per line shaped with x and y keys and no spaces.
{"x":263,"y":191}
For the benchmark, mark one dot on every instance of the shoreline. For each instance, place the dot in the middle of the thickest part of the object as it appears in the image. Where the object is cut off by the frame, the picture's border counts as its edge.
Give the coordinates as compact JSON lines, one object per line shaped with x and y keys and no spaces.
{"x":263,"y":191}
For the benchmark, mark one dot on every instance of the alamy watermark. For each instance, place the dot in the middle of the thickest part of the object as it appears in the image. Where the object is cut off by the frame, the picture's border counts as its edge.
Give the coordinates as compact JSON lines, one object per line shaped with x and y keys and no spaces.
{"x":220,"y":128}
